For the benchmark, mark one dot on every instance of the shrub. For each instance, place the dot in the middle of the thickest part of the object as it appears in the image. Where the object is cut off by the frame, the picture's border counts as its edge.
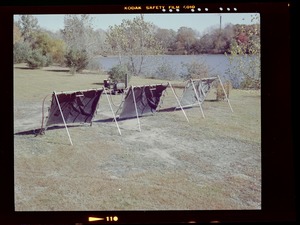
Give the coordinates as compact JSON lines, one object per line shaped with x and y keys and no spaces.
{"x":250,"y":83}
{"x":76,"y":60}
{"x":220,"y":95}
{"x":118,"y":73}
{"x":244,"y":71}
{"x":165,"y":71}
{"x":36,"y":59}
{"x":195,"y":70}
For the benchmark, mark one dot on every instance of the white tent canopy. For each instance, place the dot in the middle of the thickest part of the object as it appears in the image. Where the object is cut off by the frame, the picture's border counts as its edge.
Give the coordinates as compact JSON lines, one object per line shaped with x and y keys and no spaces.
{"x":196,"y":90}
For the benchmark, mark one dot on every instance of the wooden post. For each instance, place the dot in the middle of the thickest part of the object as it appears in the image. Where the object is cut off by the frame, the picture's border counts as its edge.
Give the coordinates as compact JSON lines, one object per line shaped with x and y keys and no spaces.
{"x":126,"y":80}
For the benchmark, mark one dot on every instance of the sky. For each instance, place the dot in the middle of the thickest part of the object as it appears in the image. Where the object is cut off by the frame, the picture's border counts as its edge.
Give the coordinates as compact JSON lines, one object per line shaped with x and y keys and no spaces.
{"x":196,"y":21}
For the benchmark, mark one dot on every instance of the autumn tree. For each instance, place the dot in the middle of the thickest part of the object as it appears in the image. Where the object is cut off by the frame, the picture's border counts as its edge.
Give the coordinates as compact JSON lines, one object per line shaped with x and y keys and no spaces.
{"x":132,"y":41}
{"x":17,"y":34}
{"x":244,"y":56}
{"x":186,"y":38}
{"x":204,"y":44}
{"x":20,"y":48}
{"x":24,"y":50}
{"x":23,"y":31}
{"x":221,"y":39}
{"x":166,"y":38}
{"x":51,"y":47}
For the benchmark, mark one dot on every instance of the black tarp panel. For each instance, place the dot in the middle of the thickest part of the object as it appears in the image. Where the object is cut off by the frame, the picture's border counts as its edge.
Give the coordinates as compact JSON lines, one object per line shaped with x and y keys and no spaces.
{"x":77,"y":107}
{"x":202,"y":87}
{"x":147,"y":99}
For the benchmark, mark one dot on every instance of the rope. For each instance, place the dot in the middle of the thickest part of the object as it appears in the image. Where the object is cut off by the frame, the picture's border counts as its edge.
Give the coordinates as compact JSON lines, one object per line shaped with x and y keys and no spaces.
{"x":42,"y":130}
{"x":113,"y":101}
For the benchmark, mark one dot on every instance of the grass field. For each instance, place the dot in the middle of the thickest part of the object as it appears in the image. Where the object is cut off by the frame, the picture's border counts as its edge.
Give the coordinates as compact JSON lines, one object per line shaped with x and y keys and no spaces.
{"x":206,"y":164}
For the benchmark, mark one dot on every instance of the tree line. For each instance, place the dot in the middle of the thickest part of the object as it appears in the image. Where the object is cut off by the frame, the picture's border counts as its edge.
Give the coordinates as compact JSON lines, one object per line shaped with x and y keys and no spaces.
{"x":78,"y":42}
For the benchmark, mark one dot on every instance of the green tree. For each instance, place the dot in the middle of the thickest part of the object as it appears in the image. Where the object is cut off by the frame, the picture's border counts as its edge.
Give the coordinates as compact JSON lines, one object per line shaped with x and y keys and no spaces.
{"x":21,"y":51}
{"x":133,"y":40}
{"x":28,"y":25}
{"x":76,"y":60}
{"x":119,"y":73}
{"x":30,"y":47}
{"x":36,"y":59}
{"x":80,"y":39}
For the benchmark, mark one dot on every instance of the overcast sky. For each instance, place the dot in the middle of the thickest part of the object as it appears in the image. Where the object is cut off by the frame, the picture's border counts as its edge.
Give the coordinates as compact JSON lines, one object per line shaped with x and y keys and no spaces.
{"x":198,"y":22}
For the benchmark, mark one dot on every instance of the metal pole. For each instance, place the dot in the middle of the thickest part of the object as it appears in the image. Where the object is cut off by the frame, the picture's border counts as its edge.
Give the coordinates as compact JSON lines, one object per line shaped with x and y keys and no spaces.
{"x":62,"y":115}
{"x":137,"y":115}
{"x":112,"y":112}
{"x":225,"y":93}
{"x":197,"y":97}
{"x":178,"y":101}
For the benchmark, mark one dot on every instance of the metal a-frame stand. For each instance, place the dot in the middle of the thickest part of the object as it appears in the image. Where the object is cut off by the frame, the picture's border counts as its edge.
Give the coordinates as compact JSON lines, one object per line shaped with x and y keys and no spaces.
{"x":198,"y":98}
{"x":135,"y":104}
{"x":112,"y":112}
{"x":135,"y":107}
{"x":227,"y":99}
{"x":62,"y":116}
{"x":64,"y":121}
{"x":178,"y":101}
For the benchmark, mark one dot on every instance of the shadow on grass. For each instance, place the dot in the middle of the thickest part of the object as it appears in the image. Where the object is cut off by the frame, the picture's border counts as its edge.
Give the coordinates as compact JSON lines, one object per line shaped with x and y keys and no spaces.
{"x":212,"y":100}
{"x":58,"y":70}
{"x":100,"y":83}
{"x":107,"y":120}
{"x":40,"y":131}
{"x":170,"y":109}
{"x":23,"y":68}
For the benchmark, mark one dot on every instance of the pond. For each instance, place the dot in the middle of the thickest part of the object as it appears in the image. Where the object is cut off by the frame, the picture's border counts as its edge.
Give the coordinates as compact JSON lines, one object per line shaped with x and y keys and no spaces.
{"x":160,"y":66}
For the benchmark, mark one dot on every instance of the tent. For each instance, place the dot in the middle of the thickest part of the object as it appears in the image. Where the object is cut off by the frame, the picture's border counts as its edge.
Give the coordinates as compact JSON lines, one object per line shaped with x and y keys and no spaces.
{"x":196,"y":90}
{"x":141,"y":101}
{"x":73,"y":107}
{"x":76,"y":107}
